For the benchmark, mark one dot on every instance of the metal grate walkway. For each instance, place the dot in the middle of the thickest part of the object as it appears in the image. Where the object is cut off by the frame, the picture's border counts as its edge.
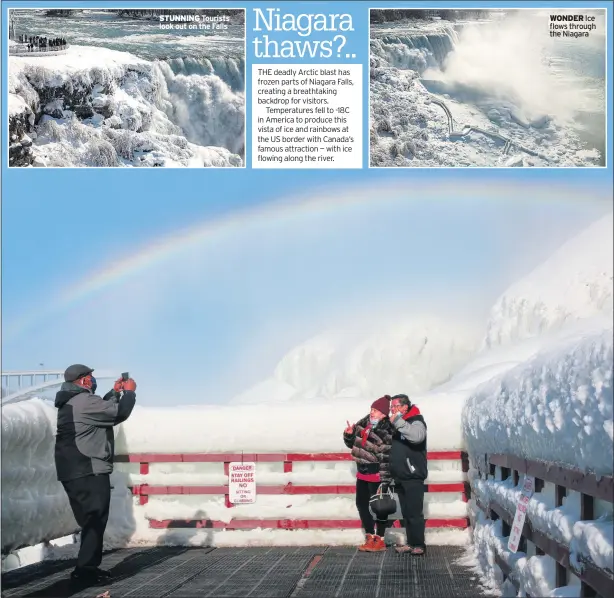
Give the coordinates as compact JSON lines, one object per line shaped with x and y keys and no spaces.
{"x":289,"y":572}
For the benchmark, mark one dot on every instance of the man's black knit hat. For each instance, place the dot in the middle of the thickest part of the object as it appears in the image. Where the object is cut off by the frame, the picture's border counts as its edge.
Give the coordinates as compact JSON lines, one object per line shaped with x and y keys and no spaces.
{"x":76,"y":371}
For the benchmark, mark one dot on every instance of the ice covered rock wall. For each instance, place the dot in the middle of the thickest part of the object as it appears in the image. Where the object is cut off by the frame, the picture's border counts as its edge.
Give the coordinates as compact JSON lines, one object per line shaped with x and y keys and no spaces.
{"x":574,"y":283}
{"x":21,"y":124}
{"x":411,"y":356}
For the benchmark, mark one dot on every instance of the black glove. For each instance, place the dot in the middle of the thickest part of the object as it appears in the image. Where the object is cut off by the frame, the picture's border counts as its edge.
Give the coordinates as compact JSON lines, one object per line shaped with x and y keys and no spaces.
{"x":384,"y":487}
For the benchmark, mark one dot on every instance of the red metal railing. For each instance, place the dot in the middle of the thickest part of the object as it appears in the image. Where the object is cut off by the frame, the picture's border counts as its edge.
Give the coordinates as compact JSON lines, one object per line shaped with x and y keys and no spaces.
{"x":144,"y":491}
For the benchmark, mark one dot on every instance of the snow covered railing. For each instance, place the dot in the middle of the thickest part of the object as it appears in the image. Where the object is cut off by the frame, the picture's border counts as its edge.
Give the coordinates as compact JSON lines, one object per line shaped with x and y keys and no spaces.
{"x":578,"y":544}
{"x":144,"y":491}
{"x":23,"y":50}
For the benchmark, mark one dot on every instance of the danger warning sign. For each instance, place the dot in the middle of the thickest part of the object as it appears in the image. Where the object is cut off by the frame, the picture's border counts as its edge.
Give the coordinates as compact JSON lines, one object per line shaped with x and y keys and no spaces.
{"x":242,"y":483}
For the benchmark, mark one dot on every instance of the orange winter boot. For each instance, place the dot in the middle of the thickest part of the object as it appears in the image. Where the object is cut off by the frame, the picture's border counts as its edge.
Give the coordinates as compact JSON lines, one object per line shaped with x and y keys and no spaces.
{"x":377,"y":544}
{"x":366,"y":547}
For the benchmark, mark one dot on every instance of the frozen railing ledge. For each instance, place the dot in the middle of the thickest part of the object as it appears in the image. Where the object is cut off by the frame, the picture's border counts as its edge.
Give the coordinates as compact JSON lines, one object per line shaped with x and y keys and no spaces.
{"x":40,"y":383}
{"x":568,"y":524}
{"x":22,"y":50}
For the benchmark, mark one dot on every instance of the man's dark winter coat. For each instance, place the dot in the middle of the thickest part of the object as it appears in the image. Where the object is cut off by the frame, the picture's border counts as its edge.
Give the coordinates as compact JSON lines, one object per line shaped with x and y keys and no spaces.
{"x":408,"y":458}
{"x":85,"y":443}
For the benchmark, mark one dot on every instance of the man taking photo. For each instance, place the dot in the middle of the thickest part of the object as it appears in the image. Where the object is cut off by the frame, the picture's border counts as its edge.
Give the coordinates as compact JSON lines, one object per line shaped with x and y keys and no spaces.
{"x":84,"y":451}
{"x":408,"y":468}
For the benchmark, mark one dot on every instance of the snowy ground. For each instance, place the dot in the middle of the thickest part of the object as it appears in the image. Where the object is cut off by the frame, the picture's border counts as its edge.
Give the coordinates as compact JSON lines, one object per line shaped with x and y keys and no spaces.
{"x":540,"y":388}
{"x":502,"y":77}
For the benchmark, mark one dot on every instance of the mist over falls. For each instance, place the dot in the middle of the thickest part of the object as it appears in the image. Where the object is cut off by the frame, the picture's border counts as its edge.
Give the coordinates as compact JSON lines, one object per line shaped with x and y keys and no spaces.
{"x":503,"y":74}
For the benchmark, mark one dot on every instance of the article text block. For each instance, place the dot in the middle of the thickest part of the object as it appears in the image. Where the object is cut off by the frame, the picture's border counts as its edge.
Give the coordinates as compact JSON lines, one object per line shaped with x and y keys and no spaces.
{"x":307,"y":116}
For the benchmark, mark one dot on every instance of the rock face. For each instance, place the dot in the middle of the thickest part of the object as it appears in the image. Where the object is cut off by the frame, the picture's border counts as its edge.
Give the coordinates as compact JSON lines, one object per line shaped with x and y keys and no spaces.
{"x":21,"y":133}
{"x":83,"y":101}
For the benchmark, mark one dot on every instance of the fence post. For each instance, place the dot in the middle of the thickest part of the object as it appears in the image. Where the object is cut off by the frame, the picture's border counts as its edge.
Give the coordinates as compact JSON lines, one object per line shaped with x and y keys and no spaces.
{"x":227,"y":495}
{"x":587,"y":507}
{"x":143,"y":470}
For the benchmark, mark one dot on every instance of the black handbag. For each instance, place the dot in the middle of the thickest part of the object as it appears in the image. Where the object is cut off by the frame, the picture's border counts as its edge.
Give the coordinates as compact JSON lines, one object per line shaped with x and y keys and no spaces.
{"x":382,"y":504}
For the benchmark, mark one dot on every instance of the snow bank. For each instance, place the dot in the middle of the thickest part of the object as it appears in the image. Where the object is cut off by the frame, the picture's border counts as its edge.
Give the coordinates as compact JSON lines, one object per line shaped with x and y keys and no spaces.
{"x":284,"y":507}
{"x":593,"y":541}
{"x":291,"y":427}
{"x":34,"y":505}
{"x":16,"y":104}
{"x":573,"y":284}
{"x":556,"y":407}
{"x":77,"y":63}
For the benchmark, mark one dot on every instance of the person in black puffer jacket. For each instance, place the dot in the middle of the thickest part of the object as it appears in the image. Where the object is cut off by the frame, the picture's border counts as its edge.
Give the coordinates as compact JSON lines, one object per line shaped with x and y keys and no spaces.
{"x":370,"y":439}
{"x":409,"y":469}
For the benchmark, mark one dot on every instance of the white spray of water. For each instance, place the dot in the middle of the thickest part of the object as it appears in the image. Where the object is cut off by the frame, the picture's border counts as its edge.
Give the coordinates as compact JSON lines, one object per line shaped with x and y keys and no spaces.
{"x":206,"y":109}
{"x":508,"y":62}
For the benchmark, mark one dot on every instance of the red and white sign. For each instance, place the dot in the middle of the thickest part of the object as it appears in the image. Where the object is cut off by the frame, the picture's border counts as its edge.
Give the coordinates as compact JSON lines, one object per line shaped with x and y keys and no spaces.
{"x":521,"y":512}
{"x":242,"y":483}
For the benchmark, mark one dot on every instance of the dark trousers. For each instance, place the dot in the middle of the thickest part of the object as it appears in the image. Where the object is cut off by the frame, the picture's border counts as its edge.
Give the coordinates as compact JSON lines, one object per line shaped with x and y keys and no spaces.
{"x":364,"y":492}
{"x":90,"y":497}
{"x":411,"y":498}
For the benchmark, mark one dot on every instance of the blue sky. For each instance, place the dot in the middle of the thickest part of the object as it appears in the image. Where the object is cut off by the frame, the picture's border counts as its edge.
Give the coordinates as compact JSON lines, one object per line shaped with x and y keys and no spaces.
{"x":215,"y":317}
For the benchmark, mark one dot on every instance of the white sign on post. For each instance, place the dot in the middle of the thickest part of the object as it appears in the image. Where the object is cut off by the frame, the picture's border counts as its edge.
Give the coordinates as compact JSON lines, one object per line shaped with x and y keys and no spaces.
{"x":242,"y":483}
{"x":521,"y":512}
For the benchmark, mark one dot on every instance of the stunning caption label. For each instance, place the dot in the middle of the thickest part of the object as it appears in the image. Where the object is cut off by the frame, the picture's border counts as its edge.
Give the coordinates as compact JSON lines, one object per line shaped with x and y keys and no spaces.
{"x":307,"y":116}
{"x":241,"y":483}
{"x":572,"y":25}
{"x":521,"y":513}
{"x":194,"y":22}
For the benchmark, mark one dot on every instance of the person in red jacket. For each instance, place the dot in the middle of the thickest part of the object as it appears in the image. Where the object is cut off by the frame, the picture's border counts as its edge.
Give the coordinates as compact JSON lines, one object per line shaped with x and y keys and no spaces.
{"x":370,"y":439}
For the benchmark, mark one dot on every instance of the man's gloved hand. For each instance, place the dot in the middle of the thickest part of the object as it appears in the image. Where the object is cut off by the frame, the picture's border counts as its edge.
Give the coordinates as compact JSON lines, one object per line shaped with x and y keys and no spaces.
{"x":119,"y":385}
{"x":130,"y":384}
{"x":384,"y":487}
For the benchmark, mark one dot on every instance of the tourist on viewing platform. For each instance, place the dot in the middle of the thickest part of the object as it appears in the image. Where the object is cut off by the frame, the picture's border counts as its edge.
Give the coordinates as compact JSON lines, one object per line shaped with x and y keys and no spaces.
{"x":370,"y":439}
{"x":409,"y":469}
{"x":84,"y":451}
